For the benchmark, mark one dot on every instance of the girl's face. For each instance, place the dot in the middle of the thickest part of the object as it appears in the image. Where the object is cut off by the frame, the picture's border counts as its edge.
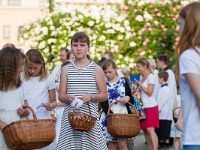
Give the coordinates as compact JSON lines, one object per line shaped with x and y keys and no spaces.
{"x":80,"y":49}
{"x":110,"y":73}
{"x":181,"y":22}
{"x":140,"y":68}
{"x":33,"y":69}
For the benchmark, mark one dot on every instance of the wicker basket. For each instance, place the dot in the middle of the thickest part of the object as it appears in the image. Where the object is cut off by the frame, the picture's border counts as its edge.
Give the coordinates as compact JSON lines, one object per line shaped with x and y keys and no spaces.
{"x":123,"y":125}
{"x":82,"y":122}
{"x":29,"y":134}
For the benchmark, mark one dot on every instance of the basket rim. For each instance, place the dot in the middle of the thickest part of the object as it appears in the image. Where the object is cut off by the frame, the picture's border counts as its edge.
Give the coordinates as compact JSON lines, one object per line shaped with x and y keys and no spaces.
{"x":27,"y":120}
{"x":118,"y":114}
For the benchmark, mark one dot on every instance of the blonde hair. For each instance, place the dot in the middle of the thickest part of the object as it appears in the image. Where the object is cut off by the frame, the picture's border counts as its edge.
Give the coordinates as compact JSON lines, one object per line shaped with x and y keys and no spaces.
{"x":143,"y":62}
{"x":35,"y":56}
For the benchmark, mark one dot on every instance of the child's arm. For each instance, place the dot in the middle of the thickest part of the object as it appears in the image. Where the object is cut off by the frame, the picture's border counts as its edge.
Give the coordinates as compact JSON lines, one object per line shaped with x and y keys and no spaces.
{"x":52,"y":104}
{"x":23,"y":112}
{"x":63,"y":96}
{"x":2,"y":124}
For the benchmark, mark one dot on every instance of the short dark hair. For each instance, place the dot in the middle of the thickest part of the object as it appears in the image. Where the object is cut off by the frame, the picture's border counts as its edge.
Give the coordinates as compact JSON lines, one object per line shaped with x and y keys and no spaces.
{"x":110,"y":54}
{"x":163,"y":74}
{"x":65,"y":49}
{"x":100,"y":62}
{"x":163,"y":58}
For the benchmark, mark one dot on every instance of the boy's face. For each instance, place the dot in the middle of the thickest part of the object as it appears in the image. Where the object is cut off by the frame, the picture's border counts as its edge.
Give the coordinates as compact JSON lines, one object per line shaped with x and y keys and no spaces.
{"x":159,"y":63}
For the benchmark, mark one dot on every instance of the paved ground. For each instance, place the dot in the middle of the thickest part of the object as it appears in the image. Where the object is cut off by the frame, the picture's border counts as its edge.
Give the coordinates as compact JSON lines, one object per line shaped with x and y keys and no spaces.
{"x":139,"y":143}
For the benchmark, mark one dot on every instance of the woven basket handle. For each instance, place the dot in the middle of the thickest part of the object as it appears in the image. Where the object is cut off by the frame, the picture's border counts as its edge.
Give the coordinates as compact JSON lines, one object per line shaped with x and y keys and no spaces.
{"x":88,"y":107}
{"x":108,"y":113}
{"x":33,"y":112}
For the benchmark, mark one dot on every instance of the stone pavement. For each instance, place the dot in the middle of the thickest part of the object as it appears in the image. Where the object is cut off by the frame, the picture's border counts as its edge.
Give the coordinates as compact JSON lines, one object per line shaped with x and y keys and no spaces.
{"x":139,"y":142}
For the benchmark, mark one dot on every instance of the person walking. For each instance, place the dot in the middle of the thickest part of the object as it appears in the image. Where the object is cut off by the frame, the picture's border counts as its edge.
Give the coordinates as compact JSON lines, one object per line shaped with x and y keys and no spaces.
{"x":84,"y":80}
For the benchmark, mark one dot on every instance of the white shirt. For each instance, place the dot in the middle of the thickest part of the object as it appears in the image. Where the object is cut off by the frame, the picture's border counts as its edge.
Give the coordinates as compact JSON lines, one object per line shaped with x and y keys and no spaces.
{"x":189,"y":62}
{"x":37,"y":92}
{"x":55,"y":70}
{"x":148,"y":101}
{"x":164,"y":103}
{"x":171,"y":82}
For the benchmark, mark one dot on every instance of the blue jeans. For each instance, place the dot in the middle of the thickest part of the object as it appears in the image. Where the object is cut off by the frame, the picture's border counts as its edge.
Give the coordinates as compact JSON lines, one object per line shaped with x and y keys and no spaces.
{"x":191,"y":147}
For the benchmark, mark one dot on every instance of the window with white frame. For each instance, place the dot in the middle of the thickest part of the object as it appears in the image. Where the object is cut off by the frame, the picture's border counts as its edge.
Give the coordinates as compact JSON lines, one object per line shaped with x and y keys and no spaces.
{"x":6,"y":32}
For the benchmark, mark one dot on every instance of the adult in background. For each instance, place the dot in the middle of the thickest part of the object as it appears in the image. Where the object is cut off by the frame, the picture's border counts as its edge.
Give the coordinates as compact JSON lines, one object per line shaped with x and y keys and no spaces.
{"x":146,"y":85}
{"x":63,"y":56}
{"x":110,"y":55}
{"x":188,"y":50}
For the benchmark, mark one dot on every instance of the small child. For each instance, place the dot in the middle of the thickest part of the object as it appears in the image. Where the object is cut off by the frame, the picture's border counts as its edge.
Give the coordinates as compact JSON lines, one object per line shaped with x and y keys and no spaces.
{"x":39,"y":86}
{"x":165,"y":116}
{"x":11,"y":92}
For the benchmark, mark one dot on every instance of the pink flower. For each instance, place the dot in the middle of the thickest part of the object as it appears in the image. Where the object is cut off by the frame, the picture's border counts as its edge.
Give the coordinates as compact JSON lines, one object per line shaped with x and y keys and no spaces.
{"x":159,"y":39}
{"x":176,"y":16}
{"x":162,"y":26}
{"x":170,"y":59}
{"x":165,"y":29}
{"x":139,"y":51}
{"x":125,"y":7}
{"x":140,"y":32}
{"x":135,"y":10}
{"x":150,"y":29}
{"x":177,"y":28}
{"x":144,"y":43}
{"x":158,"y":14}
{"x":177,"y":39}
{"x":147,"y":40}
{"x":163,"y":44}
{"x":165,"y":37}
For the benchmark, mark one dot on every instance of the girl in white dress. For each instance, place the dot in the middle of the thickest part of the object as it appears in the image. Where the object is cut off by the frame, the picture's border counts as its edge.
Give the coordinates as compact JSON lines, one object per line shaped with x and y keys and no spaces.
{"x":11,"y":92}
{"x":39,"y":86}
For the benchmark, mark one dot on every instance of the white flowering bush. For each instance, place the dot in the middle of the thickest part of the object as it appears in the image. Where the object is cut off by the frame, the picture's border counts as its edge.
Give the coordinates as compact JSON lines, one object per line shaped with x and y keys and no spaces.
{"x":145,"y":28}
{"x":51,"y":34}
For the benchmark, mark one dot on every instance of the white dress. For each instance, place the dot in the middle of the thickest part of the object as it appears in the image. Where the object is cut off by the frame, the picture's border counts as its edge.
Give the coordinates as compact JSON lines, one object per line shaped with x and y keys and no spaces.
{"x":10,"y":101}
{"x":59,"y":113}
{"x":37,"y":93}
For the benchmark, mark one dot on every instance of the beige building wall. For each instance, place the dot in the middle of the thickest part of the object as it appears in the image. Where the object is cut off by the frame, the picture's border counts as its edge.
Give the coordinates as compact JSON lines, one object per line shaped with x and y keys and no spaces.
{"x":14,"y":16}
